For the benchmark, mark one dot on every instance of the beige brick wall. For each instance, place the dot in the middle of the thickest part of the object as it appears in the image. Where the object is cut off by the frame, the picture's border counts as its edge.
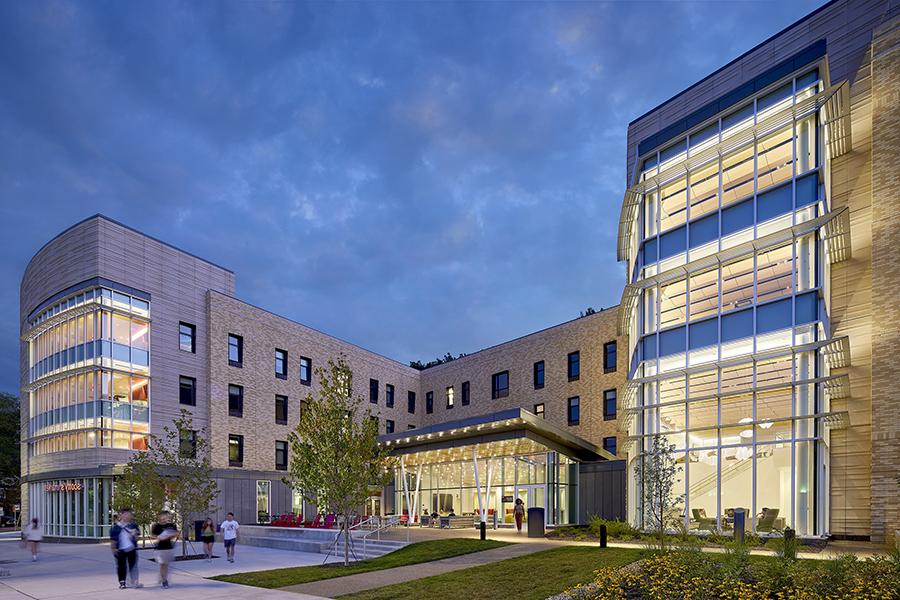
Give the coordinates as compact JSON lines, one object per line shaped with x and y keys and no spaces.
{"x":263,"y":332}
{"x":885,"y":280}
{"x":585,"y":335}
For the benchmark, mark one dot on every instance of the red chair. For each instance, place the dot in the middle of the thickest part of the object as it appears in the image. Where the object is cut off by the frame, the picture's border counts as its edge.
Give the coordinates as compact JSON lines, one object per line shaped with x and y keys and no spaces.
{"x":315,"y":523}
{"x":329,"y":521}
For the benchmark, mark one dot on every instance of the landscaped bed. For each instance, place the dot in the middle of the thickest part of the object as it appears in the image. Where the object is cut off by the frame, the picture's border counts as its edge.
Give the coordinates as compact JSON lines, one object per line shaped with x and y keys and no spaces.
{"x":623,"y":532}
{"x":532,"y":577}
{"x":420,"y":552}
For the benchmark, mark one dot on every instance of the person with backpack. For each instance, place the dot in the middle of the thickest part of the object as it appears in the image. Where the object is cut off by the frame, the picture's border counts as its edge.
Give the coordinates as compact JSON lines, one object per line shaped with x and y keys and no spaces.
{"x":123,"y":542}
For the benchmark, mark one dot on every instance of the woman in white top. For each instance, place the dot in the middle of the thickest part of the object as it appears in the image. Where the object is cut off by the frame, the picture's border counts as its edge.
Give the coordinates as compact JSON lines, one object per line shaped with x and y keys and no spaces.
{"x":33,"y":535}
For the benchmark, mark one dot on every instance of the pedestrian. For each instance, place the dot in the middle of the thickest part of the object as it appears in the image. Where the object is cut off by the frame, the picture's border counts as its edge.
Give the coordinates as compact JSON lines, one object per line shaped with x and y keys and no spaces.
{"x":165,"y":533}
{"x":519,"y":514}
{"x":208,"y":535}
{"x":123,"y":537}
{"x":229,"y":529}
{"x":33,"y":536}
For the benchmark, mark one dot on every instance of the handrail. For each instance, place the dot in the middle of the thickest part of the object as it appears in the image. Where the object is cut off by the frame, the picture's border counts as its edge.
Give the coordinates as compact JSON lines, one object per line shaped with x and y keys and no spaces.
{"x":391,"y":521}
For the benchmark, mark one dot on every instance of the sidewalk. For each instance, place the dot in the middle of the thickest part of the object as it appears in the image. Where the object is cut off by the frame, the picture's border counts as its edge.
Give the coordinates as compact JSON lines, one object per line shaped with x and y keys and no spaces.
{"x":360,"y":582}
{"x":86,"y":571}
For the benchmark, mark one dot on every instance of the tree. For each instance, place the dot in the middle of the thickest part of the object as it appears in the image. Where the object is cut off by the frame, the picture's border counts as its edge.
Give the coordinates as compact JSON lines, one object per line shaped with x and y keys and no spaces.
{"x":588,"y":312}
{"x":335,"y":456}
{"x":141,"y":488}
{"x":10,"y":461}
{"x":656,"y":481}
{"x":175,"y":473}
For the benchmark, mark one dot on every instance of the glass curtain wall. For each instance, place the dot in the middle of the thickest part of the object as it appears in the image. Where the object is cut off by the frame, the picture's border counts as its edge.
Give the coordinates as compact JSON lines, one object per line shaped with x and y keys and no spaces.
{"x":77,"y":508}
{"x":727,"y":366}
{"x":547,"y":480}
{"x":89,"y":377}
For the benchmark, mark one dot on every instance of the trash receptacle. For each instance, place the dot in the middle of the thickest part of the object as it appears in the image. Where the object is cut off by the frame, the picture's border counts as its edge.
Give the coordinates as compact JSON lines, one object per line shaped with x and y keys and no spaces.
{"x":535,"y":522}
{"x":198,"y":530}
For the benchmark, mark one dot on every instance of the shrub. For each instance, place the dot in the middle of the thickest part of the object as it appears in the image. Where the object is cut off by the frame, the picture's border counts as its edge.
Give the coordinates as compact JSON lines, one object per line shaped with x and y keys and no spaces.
{"x":614,"y":528}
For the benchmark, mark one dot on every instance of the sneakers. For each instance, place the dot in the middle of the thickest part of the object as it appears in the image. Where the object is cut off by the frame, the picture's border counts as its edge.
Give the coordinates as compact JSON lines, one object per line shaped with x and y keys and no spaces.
{"x":122,"y":585}
{"x":165,"y":584}
{"x":230,"y":560}
{"x":34,"y":558}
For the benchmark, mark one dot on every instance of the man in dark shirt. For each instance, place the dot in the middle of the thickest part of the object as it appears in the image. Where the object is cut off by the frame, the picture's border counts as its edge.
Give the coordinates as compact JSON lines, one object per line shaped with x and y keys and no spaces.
{"x":165,"y":533}
{"x":123,"y":537}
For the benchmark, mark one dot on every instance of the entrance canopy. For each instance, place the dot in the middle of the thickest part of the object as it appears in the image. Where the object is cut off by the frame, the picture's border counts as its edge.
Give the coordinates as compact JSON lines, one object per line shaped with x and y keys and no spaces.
{"x":504,"y":433}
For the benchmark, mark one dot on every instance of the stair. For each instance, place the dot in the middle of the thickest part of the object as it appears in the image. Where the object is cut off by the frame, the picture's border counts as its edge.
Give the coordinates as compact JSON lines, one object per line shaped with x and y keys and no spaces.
{"x":317,"y":541}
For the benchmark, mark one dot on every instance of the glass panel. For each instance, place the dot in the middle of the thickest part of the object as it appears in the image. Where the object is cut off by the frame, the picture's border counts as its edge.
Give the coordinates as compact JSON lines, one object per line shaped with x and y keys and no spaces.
{"x":775,"y":159}
{"x":671,"y":390}
{"x":673,"y":204}
{"x":737,"y":175}
{"x":672,"y":417}
{"x":806,"y":145}
{"x":805,"y":499}
{"x":773,"y":316}
{"x":704,"y":190}
{"x":773,"y":487}
{"x":704,"y":415}
{"x":672,"y":303}
{"x":704,"y":296}
{"x":650,"y":214}
{"x":703,"y":231}
{"x":737,"y":284}
{"x":703,"y":489}
{"x":774,"y":273}
{"x":736,"y":483}
{"x":736,"y":326}
{"x":704,"y":383}
{"x":737,"y":410}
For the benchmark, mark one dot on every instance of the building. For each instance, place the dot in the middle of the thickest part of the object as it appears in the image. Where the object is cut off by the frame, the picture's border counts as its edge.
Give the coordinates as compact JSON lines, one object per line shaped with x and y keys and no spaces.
{"x":121,"y":331}
{"x":759,"y":228}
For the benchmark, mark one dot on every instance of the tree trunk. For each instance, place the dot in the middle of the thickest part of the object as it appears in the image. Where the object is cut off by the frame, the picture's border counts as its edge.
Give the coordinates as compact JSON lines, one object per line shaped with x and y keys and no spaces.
{"x":346,"y":542}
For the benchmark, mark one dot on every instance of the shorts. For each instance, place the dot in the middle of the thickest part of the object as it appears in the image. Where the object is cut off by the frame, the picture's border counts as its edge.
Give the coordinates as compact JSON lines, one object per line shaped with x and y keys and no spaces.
{"x":207,"y":539}
{"x":164,"y":557}
{"x":230,"y":543}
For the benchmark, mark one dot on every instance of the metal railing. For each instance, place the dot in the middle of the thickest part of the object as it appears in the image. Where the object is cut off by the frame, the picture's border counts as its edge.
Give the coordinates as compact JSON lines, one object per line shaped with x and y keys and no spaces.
{"x":387,"y":523}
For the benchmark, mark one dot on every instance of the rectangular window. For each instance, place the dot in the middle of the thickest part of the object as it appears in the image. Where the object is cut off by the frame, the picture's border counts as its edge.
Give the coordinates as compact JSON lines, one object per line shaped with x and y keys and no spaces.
{"x":673,"y":242}
{"x":373,"y":391}
{"x":429,"y":402}
{"x":673,"y":204}
{"x":737,"y":325}
{"x":671,"y":341}
{"x":450,"y":398}
{"x":235,"y":450}
{"x":703,"y":334}
{"x":609,"y":357}
{"x":187,"y":391}
{"x":389,"y":426}
{"x":704,"y":295}
{"x":609,"y":405}
{"x":737,"y":217}
{"x":773,"y":316}
{"x":410,"y":426}
{"x":281,"y":409}
{"x":704,"y":190}
{"x":305,"y":370}
{"x":389,"y":395}
{"x":281,"y":455}
{"x":774,"y":270}
{"x":187,"y":443}
{"x":500,"y":385}
{"x":737,"y":175}
{"x":574,"y":368}
{"x":539,"y":410}
{"x":281,"y":363}
{"x":539,"y":375}
{"x":411,"y":402}
{"x":574,"y":411}
{"x":187,"y":337}
{"x":235,"y":401}
{"x":737,"y":284}
{"x":609,"y":444}
{"x":235,"y":350}
{"x":465,"y":393}
{"x":703,"y":230}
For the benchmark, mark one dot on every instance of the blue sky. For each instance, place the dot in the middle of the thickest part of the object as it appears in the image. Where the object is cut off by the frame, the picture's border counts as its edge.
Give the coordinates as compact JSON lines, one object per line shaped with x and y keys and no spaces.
{"x":417,"y":178}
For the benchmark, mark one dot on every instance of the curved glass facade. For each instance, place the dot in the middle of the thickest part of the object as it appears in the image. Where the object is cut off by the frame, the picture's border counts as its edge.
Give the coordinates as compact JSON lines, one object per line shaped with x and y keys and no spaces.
{"x":728,"y":316}
{"x":89,"y":373}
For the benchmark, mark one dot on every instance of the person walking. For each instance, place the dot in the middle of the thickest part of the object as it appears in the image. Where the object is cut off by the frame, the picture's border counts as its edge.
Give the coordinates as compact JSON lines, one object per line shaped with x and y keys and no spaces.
{"x":208,"y":536}
{"x":123,"y":542}
{"x":33,"y":536}
{"x":229,"y":529}
{"x":519,"y":514}
{"x":165,"y":533}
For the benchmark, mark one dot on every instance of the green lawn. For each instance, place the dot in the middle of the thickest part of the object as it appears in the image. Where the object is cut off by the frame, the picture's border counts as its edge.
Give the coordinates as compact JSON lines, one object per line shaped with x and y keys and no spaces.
{"x":410,"y":555}
{"x":532,"y":577}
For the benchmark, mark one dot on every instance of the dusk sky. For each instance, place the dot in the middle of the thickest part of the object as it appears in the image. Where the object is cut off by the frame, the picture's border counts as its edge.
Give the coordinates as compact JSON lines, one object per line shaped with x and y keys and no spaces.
{"x":416,"y":178}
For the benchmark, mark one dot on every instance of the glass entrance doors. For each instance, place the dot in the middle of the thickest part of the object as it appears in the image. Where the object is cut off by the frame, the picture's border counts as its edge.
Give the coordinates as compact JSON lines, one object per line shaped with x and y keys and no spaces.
{"x":532,"y":496}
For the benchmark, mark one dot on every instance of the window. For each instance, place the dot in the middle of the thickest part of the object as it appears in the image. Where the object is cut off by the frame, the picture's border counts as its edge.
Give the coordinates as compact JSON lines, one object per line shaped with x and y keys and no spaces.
{"x":609,"y":444}
{"x":609,"y":357}
{"x":429,"y":402}
{"x":574,"y":413}
{"x":373,"y":391}
{"x":539,"y":410}
{"x":574,"y":368}
{"x":235,"y":401}
{"x":235,"y":450}
{"x":538,"y":374}
{"x":500,"y":385}
{"x":609,"y":405}
{"x":281,"y":455}
{"x":450,"y":397}
{"x":235,"y":350}
{"x":389,"y":395}
{"x":411,"y":402}
{"x":281,"y":363}
{"x":187,"y":337}
{"x":187,"y":443}
{"x":389,"y":426}
{"x":410,"y":426}
{"x":187,"y":391}
{"x":281,"y":409}
{"x":305,"y":370}
{"x":465,"y":393}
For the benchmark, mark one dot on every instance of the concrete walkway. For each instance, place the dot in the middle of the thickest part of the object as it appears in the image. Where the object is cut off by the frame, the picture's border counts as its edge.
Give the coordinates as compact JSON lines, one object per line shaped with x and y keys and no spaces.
{"x":87,"y":571}
{"x":360,"y":582}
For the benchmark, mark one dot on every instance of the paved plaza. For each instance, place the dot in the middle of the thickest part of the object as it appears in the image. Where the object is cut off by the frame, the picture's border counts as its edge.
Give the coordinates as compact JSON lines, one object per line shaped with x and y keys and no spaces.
{"x":88,"y":571}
